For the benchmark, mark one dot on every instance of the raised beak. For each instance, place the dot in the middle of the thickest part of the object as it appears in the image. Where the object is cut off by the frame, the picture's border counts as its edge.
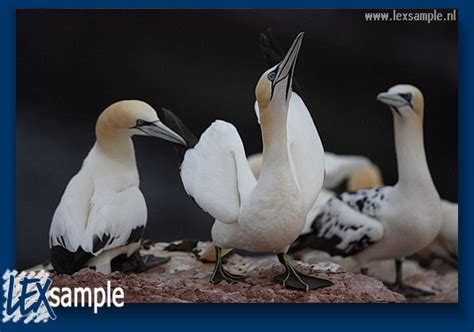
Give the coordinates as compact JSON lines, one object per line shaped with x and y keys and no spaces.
{"x":287,"y":65}
{"x":391,"y":99}
{"x":158,"y":129}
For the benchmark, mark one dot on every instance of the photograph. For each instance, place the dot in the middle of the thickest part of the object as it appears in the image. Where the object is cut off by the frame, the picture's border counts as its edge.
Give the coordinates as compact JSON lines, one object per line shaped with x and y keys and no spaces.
{"x":235,"y":156}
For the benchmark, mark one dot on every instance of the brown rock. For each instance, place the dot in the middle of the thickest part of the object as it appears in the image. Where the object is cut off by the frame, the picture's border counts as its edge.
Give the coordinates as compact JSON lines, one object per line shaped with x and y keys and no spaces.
{"x":186,"y":279}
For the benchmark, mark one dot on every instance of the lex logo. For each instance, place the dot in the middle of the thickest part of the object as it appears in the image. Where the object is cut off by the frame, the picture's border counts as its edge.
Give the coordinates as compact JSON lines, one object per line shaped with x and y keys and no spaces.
{"x":26,"y":297}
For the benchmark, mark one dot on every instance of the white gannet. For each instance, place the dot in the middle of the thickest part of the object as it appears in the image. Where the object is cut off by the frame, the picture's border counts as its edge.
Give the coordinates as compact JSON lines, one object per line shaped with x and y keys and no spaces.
{"x":265,"y":215}
{"x":102,"y":213}
{"x":445,"y":246}
{"x":338,"y":168}
{"x":387,"y":222}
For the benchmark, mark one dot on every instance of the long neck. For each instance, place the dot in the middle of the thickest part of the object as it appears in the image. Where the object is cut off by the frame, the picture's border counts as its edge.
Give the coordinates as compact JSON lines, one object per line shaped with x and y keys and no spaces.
{"x":413,"y":169}
{"x":274,"y":134}
{"x":116,"y":145}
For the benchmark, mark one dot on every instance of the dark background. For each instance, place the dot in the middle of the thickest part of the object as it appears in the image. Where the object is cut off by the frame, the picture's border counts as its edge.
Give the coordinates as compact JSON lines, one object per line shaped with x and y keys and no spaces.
{"x":203,"y":65}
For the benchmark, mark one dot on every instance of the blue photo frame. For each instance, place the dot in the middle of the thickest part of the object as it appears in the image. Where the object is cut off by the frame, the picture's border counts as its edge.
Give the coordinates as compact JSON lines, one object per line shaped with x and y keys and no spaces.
{"x":241,"y":317}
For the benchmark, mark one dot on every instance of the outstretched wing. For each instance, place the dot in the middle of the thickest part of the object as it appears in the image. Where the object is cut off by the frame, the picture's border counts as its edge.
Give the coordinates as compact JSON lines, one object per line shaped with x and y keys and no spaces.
{"x":343,"y":231}
{"x":306,"y":150}
{"x":216,"y":173}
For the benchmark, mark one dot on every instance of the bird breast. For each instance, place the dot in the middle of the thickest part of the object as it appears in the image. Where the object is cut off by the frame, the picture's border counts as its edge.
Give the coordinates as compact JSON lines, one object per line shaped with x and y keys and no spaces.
{"x":273,"y":215}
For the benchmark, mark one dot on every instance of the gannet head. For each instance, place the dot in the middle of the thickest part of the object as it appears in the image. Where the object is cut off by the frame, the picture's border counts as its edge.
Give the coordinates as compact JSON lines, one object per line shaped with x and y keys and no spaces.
{"x":405,"y":100}
{"x":134,"y":117}
{"x":275,"y":85}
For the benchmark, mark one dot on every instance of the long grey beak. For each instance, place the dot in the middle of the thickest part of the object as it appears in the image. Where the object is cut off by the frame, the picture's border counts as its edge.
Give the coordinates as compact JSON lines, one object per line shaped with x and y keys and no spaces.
{"x":158,"y":129}
{"x":287,"y":65}
{"x":391,"y":99}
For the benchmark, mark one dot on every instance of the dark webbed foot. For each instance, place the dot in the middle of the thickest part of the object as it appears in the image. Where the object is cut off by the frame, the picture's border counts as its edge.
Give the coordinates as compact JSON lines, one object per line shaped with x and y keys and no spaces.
{"x":137,"y":263}
{"x":150,"y":261}
{"x":221,"y":274}
{"x":185,"y":245}
{"x":408,"y":291}
{"x":294,"y":279}
{"x":400,"y":287}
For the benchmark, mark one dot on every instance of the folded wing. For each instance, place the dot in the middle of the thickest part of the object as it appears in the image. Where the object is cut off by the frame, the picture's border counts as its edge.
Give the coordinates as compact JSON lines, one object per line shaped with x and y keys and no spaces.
{"x":343,"y":231}
{"x":115,"y":220}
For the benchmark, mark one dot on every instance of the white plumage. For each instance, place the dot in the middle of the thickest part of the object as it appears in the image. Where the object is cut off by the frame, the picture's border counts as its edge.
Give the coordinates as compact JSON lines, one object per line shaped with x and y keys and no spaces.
{"x":268,"y":214}
{"x":102,"y":212}
{"x":446,"y":243}
{"x":340,"y":167}
{"x":102,"y":199}
{"x":387,"y":222}
{"x":216,"y":173}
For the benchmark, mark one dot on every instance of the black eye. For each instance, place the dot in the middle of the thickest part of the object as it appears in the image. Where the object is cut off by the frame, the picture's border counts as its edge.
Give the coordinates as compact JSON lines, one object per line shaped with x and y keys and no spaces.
{"x":271,"y":76}
{"x":406,"y":96}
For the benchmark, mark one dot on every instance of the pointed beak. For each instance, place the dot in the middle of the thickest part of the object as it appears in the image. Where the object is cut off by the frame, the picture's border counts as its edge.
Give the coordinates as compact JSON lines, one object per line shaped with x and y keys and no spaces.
{"x":287,"y":65}
{"x":391,"y":99}
{"x":159,"y":130}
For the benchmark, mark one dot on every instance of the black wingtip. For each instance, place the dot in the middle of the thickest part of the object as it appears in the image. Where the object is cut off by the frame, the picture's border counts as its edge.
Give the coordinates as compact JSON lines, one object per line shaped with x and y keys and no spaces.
{"x":178,"y":126}
{"x":67,"y":262}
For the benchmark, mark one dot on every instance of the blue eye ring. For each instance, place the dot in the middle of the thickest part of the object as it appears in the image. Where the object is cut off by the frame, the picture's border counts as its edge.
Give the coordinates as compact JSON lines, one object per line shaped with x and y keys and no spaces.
{"x":271,"y":76}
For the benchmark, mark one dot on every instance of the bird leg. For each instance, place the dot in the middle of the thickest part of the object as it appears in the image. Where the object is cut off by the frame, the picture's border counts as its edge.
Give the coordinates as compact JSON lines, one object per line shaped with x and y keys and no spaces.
{"x":400,"y":287}
{"x":294,"y":279}
{"x":220,"y":273}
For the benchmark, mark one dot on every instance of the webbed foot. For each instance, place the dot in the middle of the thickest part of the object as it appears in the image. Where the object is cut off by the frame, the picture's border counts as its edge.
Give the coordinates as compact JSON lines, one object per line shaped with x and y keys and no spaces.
{"x":294,"y":279}
{"x":221,"y":274}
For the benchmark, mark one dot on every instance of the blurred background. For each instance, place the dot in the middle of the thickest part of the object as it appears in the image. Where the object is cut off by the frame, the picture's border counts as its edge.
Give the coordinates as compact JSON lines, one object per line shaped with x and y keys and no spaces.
{"x":203,"y":65}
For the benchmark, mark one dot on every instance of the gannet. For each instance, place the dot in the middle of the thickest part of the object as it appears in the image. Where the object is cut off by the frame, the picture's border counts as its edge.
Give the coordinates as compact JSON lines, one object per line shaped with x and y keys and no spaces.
{"x":445,"y":245}
{"x":338,"y":168}
{"x":268,"y":214}
{"x":102,"y":213}
{"x":387,"y":222}
{"x":369,"y":177}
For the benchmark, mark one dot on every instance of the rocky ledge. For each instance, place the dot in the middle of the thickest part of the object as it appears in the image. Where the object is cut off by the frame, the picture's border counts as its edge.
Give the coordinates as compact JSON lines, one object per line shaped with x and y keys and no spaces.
{"x":186,"y":279}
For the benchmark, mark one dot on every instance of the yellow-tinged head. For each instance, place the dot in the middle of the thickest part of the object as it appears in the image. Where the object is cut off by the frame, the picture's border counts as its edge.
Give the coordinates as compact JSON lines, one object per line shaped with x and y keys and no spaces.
{"x":275,"y":85}
{"x":134,"y":117}
{"x":405,"y":100}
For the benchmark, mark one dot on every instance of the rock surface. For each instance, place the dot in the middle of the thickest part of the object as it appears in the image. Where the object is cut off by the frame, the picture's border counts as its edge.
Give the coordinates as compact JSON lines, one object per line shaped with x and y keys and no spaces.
{"x":441,"y":278}
{"x":186,"y":279}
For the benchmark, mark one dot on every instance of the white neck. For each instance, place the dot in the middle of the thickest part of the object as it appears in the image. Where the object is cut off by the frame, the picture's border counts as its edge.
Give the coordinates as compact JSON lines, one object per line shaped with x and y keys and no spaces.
{"x":413,"y":169}
{"x":274,"y":134}
{"x":117,"y":145}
